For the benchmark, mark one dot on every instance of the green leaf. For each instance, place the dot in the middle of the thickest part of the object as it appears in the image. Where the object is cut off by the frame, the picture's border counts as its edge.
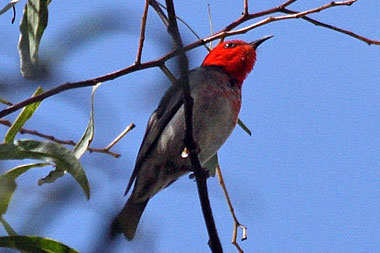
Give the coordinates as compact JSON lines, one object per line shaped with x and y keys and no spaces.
{"x":244,"y":127}
{"x":8,"y":6}
{"x":33,"y":25}
{"x":34,"y":244}
{"x":7,"y":227}
{"x":17,"y":171}
{"x":4,"y":101}
{"x":88,"y":135}
{"x":8,"y":183}
{"x":211,"y":165}
{"x":24,"y":115}
{"x":62,"y":157}
{"x":7,"y":187}
{"x":52,"y":176}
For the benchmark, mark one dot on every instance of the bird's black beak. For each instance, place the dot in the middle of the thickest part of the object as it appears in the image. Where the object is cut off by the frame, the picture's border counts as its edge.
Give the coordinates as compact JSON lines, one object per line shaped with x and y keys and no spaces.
{"x":257,"y":43}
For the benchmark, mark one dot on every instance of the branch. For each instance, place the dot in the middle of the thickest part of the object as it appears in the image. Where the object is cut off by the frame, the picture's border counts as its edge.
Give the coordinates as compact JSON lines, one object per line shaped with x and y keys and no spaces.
{"x":268,"y":20}
{"x":226,"y":32}
{"x":54,"y":139}
{"x":168,"y":74}
{"x":349,"y":33}
{"x":187,"y":25}
{"x":245,"y":7}
{"x":142,"y":32}
{"x":120,"y":136}
{"x":293,"y":15}
{"x":85,"y":83}
{"x":161,"y":14}
{"x":237,"y":224}
{"x":113,"y":143}
{"x":190,"y":143}
{"x":246,"y":16}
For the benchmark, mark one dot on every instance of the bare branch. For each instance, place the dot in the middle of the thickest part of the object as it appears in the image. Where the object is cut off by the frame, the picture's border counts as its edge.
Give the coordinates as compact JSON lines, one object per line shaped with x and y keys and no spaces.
{"x":245,"y":8}
{"x":349,"y":33}
{"x":185,"y":23}
{"x":247,"y":16}
{"x":160,"y":13}
{"x":85,"y":83}
{"x":142,"y":32}
{"x":105,"y":151}
{"x":232,"y":211}
{"x":120,"y":136}
{"x":54,"y":139}
{"x":211,"y":26}
{"x":225,"y":33}
{"x":168,"y":73}
{"x":14,"y":14}
{"x":36,"y":133}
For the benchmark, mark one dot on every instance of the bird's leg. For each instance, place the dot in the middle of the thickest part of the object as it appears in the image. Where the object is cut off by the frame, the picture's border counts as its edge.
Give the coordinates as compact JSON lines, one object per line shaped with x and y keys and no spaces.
{"x":202,"y":172}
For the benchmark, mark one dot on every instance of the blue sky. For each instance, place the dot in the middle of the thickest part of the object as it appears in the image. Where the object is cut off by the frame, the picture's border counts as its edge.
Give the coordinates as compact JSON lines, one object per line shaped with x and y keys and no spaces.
{"x":308,"y":178}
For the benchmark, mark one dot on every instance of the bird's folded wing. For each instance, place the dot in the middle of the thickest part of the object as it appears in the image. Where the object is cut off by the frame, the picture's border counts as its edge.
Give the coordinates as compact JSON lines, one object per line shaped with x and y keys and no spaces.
{"x":167,"y":108}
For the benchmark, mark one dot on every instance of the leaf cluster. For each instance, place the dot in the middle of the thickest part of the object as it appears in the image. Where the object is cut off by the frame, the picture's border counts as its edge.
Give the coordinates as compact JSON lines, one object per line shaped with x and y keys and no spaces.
{"x":50,"y":154}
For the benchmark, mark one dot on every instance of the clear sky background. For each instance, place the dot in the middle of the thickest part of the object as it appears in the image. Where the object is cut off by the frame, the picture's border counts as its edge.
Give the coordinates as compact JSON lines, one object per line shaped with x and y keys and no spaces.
{"x":307,"y":180}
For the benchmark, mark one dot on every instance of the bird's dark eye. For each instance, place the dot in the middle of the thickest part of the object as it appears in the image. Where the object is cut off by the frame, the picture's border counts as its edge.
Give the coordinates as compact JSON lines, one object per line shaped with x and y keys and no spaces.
{"x":229,"y":45}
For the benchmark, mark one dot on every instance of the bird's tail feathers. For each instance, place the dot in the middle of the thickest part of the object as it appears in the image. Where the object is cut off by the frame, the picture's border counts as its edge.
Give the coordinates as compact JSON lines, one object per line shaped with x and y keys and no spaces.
{"x":128,"y":219}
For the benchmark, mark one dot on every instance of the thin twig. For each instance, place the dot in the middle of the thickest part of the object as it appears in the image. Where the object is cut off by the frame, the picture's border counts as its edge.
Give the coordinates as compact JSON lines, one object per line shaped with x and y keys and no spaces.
{"x":120,"y":136}
{"x":319,"y":9}
{"x":211,"y":26}
{"x":105,"y":151}
{"x":159,"y":11}
{"x":186,"y":24}
{"x":168,"y":73}
{"x":331,"y":27}
{"x":5,"y":102}
{"x":142,"y":32}
{"x":85,"y":83}
{"x":285,"y":17}
{"x":245,"y":7}
{"x":14,"y":14}
{"x":56,"y":140}
{"x":237,"y":224}
{"x":36,"y":133}
{"x":247,"y":16}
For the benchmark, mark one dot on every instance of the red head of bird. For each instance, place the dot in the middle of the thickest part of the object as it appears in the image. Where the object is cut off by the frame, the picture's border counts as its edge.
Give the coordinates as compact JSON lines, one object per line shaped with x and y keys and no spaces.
{"x":235,"y":57}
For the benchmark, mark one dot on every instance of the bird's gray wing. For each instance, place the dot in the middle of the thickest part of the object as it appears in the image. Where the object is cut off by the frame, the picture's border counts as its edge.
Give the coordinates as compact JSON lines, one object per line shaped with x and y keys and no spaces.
{"x":167,"y":108}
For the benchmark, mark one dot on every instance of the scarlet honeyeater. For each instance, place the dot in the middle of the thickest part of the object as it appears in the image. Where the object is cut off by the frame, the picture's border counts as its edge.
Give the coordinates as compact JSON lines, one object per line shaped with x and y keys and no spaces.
{"x":216,"y":90}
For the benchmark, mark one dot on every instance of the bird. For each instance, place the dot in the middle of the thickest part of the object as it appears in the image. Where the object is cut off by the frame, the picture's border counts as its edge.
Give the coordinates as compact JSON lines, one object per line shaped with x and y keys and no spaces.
{"x":216,"y":90}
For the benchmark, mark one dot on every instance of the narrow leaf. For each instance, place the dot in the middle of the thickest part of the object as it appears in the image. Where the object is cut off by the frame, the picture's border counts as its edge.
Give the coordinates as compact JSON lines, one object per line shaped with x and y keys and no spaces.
{"x":4,"y":101}
{"x":7,"y":227}
{"x":7,"y":187}
{"x":62,"y":157}
{"x":17,"y":171}
{"x":32,"y":27}
{"x":34,"y":244}
{"x":88,"y":135}
{"x":24,"y":116}
{"x":52,"y":176}
{"x":244,"y":127}
{"x":8,"y":183}
{"x":8,"y":6}
{"x":211,"y":165}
